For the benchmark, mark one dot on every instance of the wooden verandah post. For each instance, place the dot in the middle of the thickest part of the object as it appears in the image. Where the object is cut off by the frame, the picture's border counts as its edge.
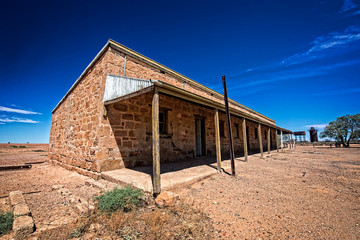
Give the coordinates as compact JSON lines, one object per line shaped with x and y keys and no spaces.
{"x":268,"y":140}
{"x":245,"y":139}
{"x":281,"y":141}
{"x":276,"y":140}
{"x":260,"y":141}
{"x":156,"y":143}
{"x":217,"y":140}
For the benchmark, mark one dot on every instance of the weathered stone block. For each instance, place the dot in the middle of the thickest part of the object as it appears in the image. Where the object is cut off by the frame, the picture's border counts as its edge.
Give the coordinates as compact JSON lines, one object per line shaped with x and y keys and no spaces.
{"x":22,"y":227}
{"x":16,"y":198}
{"x":21,"y":209}
{"x":127,"y":116}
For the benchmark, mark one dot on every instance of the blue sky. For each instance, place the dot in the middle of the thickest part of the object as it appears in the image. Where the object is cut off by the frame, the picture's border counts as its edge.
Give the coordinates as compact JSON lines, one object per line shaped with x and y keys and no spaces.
{"x":297,"y":62}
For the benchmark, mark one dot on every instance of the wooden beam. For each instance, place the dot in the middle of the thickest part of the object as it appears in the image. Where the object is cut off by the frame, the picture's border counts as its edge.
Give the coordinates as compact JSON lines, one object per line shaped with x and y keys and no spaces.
{"x":260,"y":141}
{"x":281,"y":141}
{"x":276,"y":140}
{"x":156,"y":143}
{"x":245,"y":139}
{"x":268,"y":140}
{"x":217,"y":140}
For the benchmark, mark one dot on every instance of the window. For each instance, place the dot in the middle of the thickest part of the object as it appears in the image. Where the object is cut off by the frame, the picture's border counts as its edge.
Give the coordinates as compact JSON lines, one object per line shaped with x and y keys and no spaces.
{"x":222,"y":130}
{"x":265,"y":134}
{"x":237,"y":134}
{"x":162,"y":121}
{"x":256,"y":133}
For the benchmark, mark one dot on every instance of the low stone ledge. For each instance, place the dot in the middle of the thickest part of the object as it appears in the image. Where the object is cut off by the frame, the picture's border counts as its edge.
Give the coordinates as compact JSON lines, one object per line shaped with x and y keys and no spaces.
{"x":91,"y":174}
{"x":23,"y":224}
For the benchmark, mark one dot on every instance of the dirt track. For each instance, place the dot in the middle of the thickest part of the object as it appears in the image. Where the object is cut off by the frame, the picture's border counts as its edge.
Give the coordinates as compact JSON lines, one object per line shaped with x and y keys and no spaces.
{"x":306,"y":193}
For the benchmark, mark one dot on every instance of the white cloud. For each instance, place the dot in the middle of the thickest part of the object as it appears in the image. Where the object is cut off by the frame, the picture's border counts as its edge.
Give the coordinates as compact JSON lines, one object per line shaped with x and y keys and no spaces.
{"x":318,"y":126}
{"x":15,"y":119}
{"x":14,"y":110}
{"x":330,"y":41}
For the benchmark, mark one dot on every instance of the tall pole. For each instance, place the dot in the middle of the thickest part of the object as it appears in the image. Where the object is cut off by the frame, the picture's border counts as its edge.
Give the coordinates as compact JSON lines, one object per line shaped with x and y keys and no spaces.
{"x":229,"y":127}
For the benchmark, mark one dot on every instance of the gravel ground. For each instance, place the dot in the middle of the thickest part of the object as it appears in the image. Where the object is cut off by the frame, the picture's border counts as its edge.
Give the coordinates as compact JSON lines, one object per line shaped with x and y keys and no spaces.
{"x":306,"y":193}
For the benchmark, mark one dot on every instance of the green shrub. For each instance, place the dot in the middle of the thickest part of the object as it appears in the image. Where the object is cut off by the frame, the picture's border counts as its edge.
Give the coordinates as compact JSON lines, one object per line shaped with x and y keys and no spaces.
{"x":6,"y":222}
{"x":14,"y":146}
{"x":22,"y":146}
{"x":126,"y":199}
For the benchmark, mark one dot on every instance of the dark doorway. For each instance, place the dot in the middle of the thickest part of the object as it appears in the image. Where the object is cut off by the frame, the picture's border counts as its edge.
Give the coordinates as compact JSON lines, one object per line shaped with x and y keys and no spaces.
{"x":200,"y":137}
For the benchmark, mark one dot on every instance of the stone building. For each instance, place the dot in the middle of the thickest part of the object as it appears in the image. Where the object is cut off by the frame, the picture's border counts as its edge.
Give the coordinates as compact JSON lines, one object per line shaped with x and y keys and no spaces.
{"x":106,"y":120}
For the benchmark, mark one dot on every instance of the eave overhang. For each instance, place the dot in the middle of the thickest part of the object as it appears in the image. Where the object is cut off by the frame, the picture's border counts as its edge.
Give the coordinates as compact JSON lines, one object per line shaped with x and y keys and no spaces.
{"x":119,"y":88}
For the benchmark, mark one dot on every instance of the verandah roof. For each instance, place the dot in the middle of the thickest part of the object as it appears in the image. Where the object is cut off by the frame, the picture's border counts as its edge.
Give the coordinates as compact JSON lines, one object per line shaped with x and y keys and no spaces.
{"x":118,"y":88}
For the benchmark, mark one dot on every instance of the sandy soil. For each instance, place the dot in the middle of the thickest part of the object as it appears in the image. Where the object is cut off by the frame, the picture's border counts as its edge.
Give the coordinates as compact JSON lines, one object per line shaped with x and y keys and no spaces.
{"x":306,"y":193}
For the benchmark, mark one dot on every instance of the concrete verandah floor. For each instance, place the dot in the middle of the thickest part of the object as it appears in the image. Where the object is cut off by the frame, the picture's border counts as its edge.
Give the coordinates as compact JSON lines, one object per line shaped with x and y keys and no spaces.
{"x":174,"y":173}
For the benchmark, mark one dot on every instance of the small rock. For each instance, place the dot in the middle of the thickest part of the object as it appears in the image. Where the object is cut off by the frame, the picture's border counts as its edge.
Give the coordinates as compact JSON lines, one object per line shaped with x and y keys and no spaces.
{"x":214,"y":202}
{"x":166,"y":198}
{"x":56,"y":187}
{"x":94,"y":227}
{"x":81,"y":209}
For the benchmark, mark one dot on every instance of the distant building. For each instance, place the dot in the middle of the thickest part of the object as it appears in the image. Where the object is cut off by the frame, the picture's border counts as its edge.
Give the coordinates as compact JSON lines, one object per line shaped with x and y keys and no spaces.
{"x":300,"y":136}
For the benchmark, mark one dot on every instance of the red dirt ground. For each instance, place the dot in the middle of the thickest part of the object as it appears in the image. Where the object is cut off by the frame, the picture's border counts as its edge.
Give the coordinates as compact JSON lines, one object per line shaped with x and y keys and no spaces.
{"x":305,"y":193}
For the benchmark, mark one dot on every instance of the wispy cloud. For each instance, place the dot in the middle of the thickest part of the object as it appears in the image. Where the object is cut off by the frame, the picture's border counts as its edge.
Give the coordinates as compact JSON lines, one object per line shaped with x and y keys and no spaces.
{"x":332,"y":92}
{"x":347,"y":6}
{"x":14,"y":110}
{"x":318,"y":126}
{"x":16,"y":119}
{"x":302,"y":72}
{"x":321,"y":45}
